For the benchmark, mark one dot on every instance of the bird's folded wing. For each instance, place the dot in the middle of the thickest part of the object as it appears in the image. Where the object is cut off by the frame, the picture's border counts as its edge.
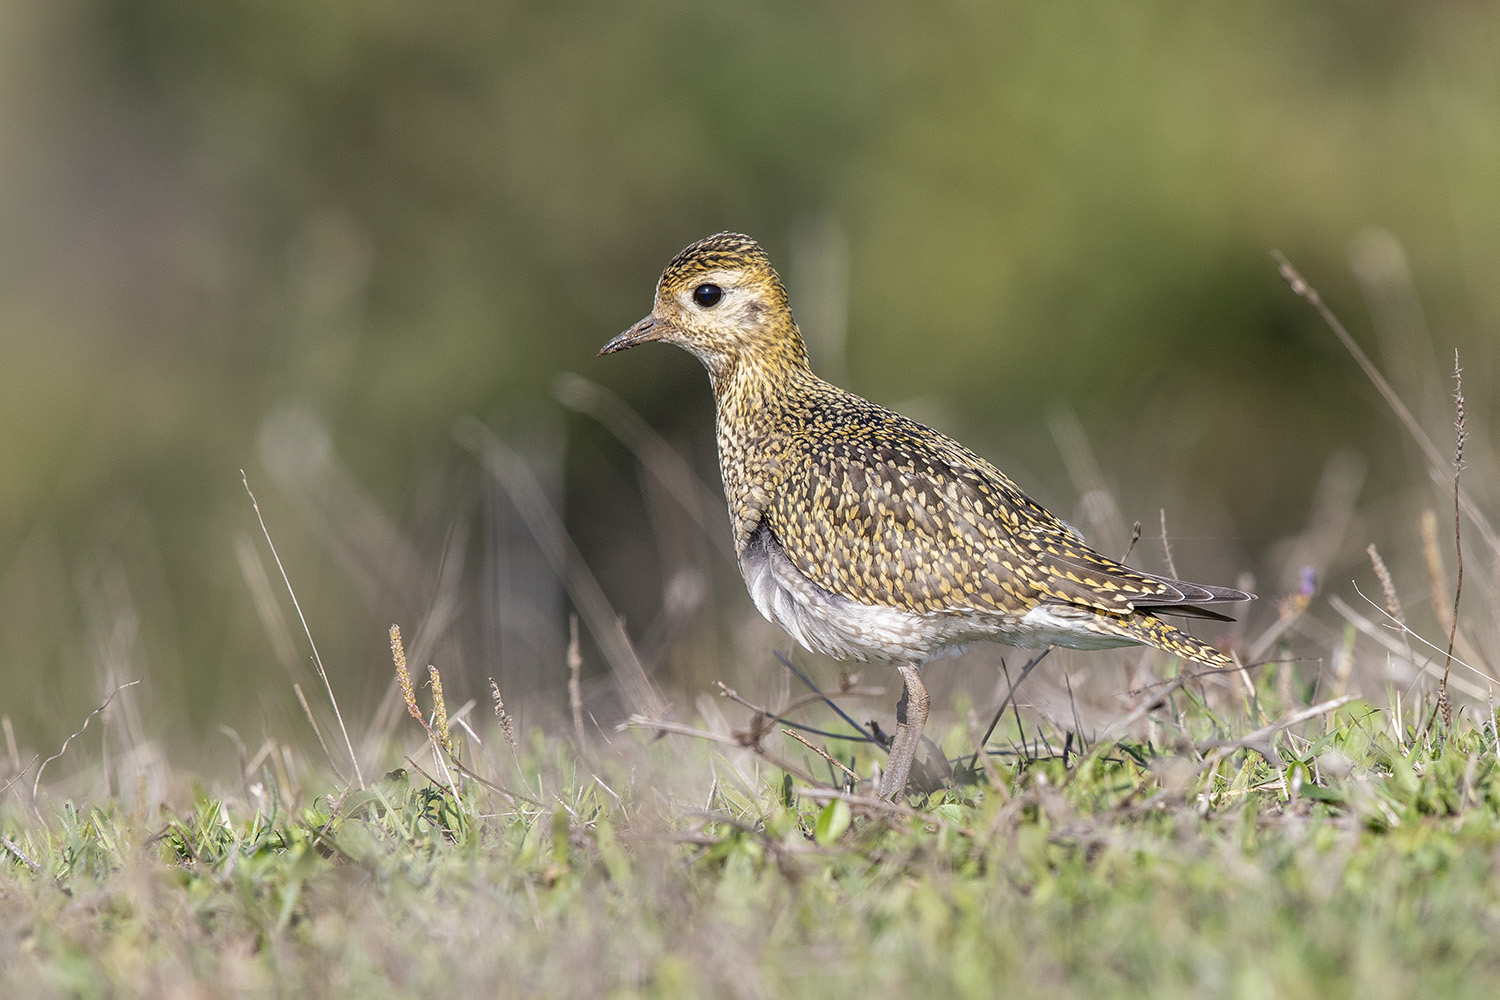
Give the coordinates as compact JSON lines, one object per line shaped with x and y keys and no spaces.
{"x":926,"y":525}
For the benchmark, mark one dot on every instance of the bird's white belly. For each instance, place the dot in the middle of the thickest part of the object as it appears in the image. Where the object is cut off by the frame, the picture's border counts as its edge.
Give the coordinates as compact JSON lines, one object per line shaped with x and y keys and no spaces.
{"x":829,"y":623}
{"x":825,"y":622}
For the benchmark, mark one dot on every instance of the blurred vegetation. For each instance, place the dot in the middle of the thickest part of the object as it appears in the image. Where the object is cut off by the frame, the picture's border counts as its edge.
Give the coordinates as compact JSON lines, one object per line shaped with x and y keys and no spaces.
{"x":303,"y":239}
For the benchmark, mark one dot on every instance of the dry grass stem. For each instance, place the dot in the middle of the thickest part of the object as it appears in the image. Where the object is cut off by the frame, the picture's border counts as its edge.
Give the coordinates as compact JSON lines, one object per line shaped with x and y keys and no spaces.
{"x":12,"y":750}
{"x":1100,"y":513}
{"x":507,"y":728}
{"x":700,"y":501}
{"x":1437,"y":573}
{"x":20,"y":773}
{"x":1010,"y":693}
{"x":317,"y":659}
{"x":1255,"y":740}
{"x":768,"y":718}
{"x":1388,"y":590}
{"x":37,"y":784}
{"x":512,"y":474}
{"x":1343,"y":661}
{"x":514,"y":797}
{"x":440,"y":710}
{"x":991,"y":772}
{"x":575,"y":678}
{"x":440,"y":737}
{"x":1461,"y":436}
{"x":1428,"y":667}
{"x":1435,"y":460}
{"x":312,"y":721}
{"x":1166,"y":544}
{"x":277,"y":629}
{"x":403,"y":676}
{"x":1387,"y":585}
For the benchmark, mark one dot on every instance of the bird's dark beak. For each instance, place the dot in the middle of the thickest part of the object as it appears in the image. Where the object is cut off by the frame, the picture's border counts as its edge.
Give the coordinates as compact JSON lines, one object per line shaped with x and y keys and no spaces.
{"x":646,"y":330}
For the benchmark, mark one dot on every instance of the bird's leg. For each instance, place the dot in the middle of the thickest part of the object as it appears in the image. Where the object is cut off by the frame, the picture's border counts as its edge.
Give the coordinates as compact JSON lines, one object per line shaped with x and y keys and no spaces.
{"x":911,"y":716}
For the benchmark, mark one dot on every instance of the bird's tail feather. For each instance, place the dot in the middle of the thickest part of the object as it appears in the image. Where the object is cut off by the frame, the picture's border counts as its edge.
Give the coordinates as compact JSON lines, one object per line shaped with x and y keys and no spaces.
{"x":1152,"y":631}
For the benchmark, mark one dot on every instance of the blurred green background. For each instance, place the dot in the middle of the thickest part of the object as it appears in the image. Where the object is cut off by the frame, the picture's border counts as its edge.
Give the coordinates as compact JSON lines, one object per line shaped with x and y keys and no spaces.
{"x":304,"y":239}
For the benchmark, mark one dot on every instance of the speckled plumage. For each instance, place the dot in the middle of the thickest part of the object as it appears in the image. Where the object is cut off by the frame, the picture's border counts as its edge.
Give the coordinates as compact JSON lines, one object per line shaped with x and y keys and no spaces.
{"x":868,"y":535}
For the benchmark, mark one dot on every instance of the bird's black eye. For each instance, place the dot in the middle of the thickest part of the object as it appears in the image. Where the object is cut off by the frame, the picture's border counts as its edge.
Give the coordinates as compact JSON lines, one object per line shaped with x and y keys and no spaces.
{"x":707,"y":296}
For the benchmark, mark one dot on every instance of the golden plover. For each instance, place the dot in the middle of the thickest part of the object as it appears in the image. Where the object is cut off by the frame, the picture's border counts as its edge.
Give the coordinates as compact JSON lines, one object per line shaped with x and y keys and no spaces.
{"x":869,"y":536}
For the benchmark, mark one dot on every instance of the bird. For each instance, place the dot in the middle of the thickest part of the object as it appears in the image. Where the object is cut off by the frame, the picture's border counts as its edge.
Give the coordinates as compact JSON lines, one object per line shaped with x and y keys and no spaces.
{"x":869,"y":536}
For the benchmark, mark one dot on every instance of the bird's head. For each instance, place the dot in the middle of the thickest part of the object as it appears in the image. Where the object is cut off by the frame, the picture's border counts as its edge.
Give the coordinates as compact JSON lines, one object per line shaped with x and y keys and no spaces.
{"x":721,"y":300}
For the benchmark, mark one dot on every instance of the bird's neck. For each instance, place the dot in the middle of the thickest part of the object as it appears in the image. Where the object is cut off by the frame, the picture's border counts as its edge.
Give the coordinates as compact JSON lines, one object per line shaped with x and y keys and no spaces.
{"x":759,"y":404}
{"x":777,"y":366}
{"x":750,"y":388}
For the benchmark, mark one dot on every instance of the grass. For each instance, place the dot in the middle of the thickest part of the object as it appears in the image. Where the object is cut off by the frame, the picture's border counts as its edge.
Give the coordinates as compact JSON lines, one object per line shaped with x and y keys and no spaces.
{"x":1361,"y":863}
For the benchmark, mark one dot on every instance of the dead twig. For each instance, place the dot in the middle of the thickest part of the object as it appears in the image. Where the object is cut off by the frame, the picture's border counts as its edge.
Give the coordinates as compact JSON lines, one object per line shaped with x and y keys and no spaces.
{"x":780,"y":718}
{"x":514,"y":797}
{"x":821,"y":753}
{"x":20,"y":855}
{"x":786,"y":662}
{"x":742,"y":741}
{"x":20,"y":773}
